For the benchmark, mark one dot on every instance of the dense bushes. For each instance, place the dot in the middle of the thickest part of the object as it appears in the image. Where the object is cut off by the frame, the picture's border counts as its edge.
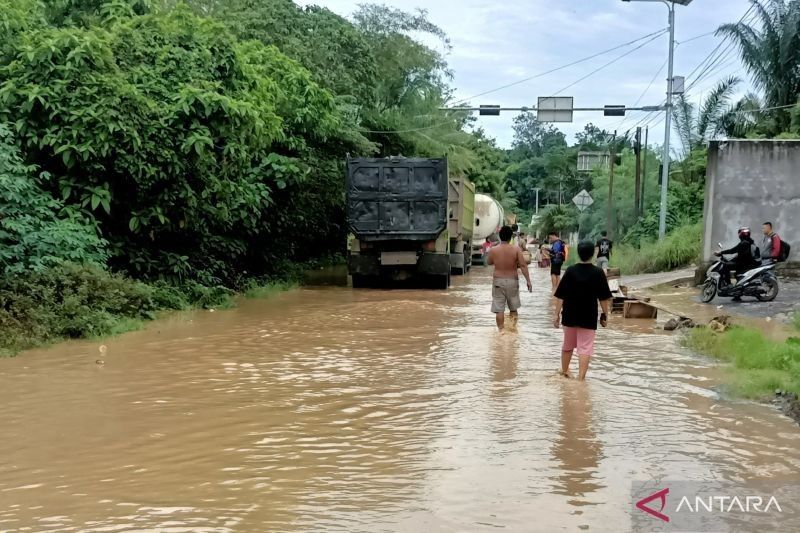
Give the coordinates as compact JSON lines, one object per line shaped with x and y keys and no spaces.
{"x":680,"y":248}
{"x":171,"y":133}
{"x":36,"y":230}
{"x":70,"y":301}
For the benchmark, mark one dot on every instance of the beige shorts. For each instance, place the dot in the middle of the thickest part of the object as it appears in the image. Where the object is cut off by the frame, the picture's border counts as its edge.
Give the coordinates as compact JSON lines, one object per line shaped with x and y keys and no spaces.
{"x":505,"y":291}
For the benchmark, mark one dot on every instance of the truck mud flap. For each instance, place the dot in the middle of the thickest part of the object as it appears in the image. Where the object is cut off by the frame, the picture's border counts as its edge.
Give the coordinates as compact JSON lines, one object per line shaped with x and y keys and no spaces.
{"x":434,"y":264}
{"x":364,"y":264}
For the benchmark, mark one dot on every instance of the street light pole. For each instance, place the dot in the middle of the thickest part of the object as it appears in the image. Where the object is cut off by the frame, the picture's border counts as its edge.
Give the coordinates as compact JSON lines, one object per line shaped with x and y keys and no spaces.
{"x":662,"y":218}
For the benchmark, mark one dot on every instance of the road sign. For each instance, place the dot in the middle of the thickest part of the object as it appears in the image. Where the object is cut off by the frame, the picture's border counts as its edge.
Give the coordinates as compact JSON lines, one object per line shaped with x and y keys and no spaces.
{"x":583,"y":200}
{"x":554,"y":109}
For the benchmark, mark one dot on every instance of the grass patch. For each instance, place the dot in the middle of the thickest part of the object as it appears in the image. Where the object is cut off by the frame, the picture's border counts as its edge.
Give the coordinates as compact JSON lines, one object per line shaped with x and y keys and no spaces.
{"x":681,"y":247}
{"x":796,"y":320}
{"x":268,"y":289}
{"x":758,"y":366}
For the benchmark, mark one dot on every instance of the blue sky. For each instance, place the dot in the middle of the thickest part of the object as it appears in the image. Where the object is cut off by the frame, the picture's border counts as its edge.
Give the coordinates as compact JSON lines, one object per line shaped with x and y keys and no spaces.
{"x":495,"y":43}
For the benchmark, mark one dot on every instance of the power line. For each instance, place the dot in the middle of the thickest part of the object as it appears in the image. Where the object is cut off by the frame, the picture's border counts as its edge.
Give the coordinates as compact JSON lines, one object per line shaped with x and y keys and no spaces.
{"x":576,"y":62}
{"x":762,"y":109}
{"x":708,"y":58}
{"x":410,"y":130}
{"x":660,"y":70}
{"x":755,"y":110}
{"x":690,"y":39}
{"x":595,"y":71}
{"x":707,"y":64}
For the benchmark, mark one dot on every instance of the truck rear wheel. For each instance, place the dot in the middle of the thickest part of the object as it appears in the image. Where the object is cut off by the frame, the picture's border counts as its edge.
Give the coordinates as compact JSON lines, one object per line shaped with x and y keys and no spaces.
{"x":360,"y":281}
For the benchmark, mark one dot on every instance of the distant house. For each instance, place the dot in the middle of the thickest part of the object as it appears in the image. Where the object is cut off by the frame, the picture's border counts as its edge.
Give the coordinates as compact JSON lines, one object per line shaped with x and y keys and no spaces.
{"x":587,"y":161}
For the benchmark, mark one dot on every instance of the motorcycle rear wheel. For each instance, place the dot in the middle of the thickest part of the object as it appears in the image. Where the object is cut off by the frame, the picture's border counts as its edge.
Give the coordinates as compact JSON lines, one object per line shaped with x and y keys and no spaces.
{"x":770,"y":292}
{"x":709,"y":292}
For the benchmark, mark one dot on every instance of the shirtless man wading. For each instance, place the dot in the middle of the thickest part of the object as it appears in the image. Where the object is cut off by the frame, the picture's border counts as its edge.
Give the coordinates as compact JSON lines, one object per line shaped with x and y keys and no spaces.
{"x":505,"y":284}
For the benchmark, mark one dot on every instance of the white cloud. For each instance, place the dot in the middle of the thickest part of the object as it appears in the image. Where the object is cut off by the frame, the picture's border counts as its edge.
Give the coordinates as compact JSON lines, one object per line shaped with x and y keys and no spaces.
{"x":496,"y":43}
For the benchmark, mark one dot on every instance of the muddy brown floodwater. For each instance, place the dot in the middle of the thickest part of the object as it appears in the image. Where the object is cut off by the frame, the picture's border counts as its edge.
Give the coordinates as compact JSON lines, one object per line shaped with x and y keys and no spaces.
{"x":326,"y":408}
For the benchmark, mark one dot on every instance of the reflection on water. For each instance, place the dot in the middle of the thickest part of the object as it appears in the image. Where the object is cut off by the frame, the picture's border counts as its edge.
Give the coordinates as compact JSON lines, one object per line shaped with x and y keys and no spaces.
{"x":577,"y":447}
{"x":331,"y":409}
{"x":505,"y":355}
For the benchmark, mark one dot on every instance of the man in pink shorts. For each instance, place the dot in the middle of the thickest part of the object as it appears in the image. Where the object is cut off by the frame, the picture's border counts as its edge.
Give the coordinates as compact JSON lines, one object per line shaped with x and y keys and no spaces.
{"x":581,"y":287}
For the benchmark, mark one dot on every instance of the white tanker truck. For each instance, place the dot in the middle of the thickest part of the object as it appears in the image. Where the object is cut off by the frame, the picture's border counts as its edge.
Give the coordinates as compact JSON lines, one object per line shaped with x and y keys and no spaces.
{"x":489,"y":218}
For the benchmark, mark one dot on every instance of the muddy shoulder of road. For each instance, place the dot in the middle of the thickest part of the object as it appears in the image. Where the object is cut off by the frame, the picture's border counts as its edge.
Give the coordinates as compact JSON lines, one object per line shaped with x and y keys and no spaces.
{"x":758,"y":342}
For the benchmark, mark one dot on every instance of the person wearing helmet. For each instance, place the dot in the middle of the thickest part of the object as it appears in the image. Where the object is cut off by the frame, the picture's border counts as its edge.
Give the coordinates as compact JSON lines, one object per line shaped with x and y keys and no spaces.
{"x":745,"y":256}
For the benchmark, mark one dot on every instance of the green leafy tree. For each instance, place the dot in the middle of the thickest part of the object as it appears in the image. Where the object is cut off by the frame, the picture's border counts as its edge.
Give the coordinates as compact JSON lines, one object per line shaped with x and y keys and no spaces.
{"x":696,"y":125}
{"x":592,"y":138}
{"x":533,"y":138}
{"x":175,"y":136}
{"x":771,"y":54}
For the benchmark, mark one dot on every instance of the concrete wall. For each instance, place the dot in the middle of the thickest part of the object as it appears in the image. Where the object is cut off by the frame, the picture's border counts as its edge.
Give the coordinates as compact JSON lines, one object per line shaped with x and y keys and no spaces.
{"x":749,"y":182}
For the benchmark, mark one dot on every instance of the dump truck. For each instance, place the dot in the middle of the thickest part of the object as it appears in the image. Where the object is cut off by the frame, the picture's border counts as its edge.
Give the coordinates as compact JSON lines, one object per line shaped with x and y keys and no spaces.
{"x":397,"y":212}
{"x":461,"y":197}
{"x":489,"y":217}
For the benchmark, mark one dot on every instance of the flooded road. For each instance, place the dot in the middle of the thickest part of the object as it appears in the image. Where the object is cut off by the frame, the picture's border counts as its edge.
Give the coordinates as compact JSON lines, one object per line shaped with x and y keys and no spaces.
{"x":328,"y":409}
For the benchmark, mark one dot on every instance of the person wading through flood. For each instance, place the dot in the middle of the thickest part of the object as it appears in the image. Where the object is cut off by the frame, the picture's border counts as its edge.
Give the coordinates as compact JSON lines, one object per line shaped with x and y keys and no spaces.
{"x":603,"y":251}
{"x":558,"y":254}
{"x":506,"y":259}
{"x":582,"y":286}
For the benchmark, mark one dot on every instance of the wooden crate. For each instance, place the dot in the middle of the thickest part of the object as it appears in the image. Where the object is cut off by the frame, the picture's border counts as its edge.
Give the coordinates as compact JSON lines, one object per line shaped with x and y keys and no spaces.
{"x":638,"y":309}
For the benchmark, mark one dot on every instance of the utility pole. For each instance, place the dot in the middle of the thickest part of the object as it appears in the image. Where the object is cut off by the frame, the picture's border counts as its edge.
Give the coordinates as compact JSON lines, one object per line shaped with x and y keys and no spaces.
{"x":537,"y":189}
{"x":612,"y":156}
{"x":662,"y":222}
{"x":638,"y":186}
{"x":662,"y":219}
{"x":644,"y":171}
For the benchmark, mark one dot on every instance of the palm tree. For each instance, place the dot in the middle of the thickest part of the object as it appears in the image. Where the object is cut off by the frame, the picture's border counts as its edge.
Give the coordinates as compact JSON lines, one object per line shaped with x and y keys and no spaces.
{"x":744,"y":117}
{"x":696,"y":126}
{"x":771,"y":54}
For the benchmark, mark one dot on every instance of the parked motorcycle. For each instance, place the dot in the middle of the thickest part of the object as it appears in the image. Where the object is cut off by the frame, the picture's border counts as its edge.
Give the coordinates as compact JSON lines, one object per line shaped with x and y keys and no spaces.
{"x":759,"y":282}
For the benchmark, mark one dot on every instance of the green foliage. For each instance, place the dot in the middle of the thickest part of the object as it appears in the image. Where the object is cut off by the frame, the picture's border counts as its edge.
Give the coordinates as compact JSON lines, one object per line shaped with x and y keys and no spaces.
{"x":38,"y":231}
{"x":770,"y":50}
{"x":266,"y":290}
{"x":684,"y":208}
{"x":696,"y":125}
{"x":592,"y":138}
{"x":533,"y":138}
{"x":624,"y":219}
{"x":679,"y":248}
{"x":558,"y":218}
{"x":174,"y":136}
{"x":16,"y":18}
{"x":759,"y":365}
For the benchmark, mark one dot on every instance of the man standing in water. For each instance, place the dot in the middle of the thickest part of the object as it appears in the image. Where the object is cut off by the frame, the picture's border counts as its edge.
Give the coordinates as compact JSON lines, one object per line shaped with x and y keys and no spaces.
{"x":582,"y":286}
{"x":505,"y":282}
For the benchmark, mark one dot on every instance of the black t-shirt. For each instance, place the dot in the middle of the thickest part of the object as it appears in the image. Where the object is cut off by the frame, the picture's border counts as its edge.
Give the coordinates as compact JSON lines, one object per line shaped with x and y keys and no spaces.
{"x":604,"y":247}
{"x":581,"y":287}
{"x":744,"y":255}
